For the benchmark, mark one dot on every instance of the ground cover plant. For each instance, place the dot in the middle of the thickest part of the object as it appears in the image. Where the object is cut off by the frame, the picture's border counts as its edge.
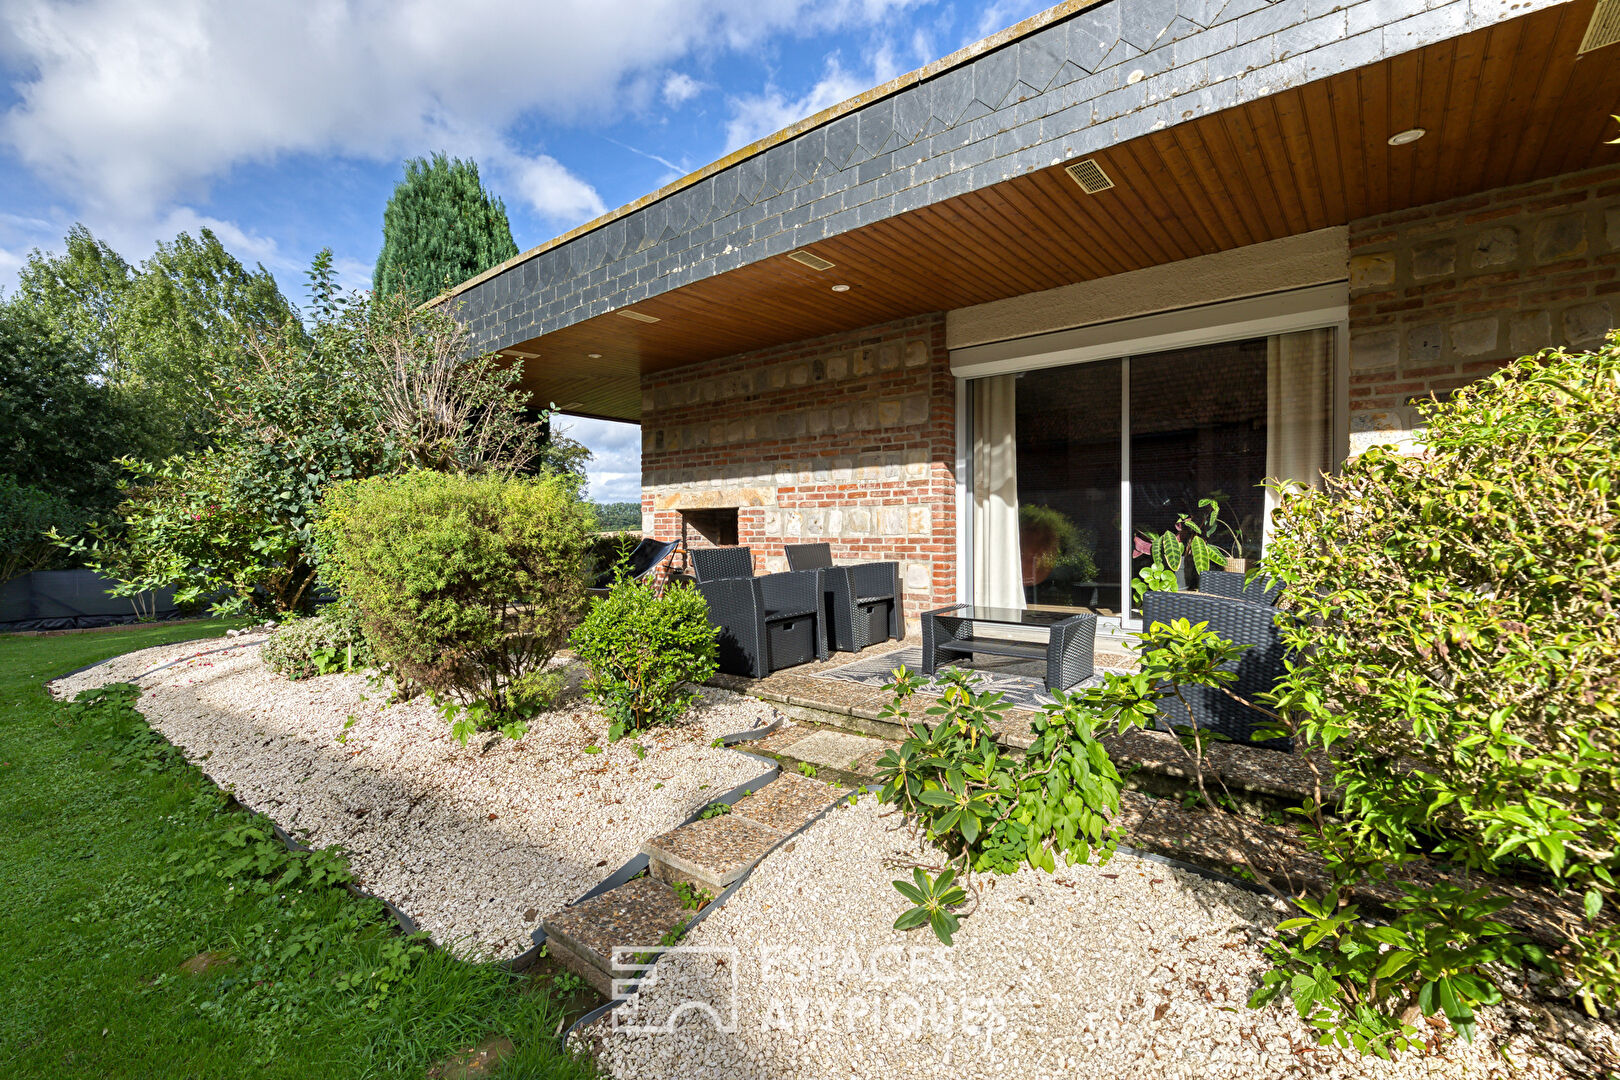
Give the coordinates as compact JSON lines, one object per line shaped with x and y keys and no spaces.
{"x":466,"y":586}
{"x":132,"y":866}
{"x":645,"y":651}
{"x":321,"y":644}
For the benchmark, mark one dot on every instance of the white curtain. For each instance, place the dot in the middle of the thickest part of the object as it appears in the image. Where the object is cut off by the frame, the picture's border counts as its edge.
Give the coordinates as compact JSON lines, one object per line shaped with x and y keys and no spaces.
{"x":998,"y":579}
{"x":1299,"y":411}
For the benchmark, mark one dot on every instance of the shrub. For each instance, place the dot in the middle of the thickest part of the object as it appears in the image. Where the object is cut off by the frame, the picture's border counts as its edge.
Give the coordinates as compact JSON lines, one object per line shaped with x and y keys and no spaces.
{"x":985,"y":809}
{"x":466,"y":585}
{"x":27,"y":517}
{"x":643,"y":650}
{"x":319,"y":645}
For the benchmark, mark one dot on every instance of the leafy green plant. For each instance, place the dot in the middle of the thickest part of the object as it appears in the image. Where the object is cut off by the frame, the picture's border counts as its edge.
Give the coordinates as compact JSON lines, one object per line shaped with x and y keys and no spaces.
{"x":322,"y":644}
{"x":692,"y":897}
{"x":466,"y":585}
{"x":645,"y":653}
{"x":989,"y":811}
{"x":934,"y":898}
{"x":807,"y":770}
{"x":28,"y":518}
{"x":565,"y":983}
{"x":1192,"y":541}
{"x":714,"y":810}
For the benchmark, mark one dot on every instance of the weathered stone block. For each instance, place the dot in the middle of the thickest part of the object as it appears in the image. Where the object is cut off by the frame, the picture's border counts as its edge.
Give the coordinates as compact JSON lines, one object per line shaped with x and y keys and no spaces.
{"x":793,"y":523}
{"x":1496,"y":247}
{"x":918,"y":576}
{"x":862,"y":362}
{"x":772,"y":523}
{"x":817,"y":421}
{"x":888,"y":356}
{"x":914,"y":409}
{"x":1379,"y":351}
{"x":837,"y":366}
{"x":1560,"y":238}
{"x":1372,"y":271}
{"x":888,"y":413}
{"x":891,"y":520}
{"x":815,"y":523}
{"x":917,"y":520}
{"x":1585,"y":324}
{"x":838,"y":418}
{"x":1434,"y":260}
{"x":916,"y":354}
{"x":799,"y":374}
{"x":1424,"y":344}
{"x":1528,"y":332}
{"x":864,"y":415}
{"x":858,"y":521}
{"x":1475,"y":337}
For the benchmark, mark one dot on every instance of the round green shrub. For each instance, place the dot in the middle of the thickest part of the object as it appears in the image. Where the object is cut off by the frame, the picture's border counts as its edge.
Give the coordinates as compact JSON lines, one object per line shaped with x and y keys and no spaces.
{"x":643,"y":650}
{"x":319,"y":645}
{"x":466,"y":585}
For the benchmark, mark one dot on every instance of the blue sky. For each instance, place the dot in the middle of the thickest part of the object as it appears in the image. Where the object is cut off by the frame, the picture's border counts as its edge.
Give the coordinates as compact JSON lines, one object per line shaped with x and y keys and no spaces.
{"x":283,"y":126}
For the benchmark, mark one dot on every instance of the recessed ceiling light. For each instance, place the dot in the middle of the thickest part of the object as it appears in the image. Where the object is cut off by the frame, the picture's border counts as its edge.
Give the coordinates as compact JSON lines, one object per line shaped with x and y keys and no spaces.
{"x":1410,"y":135}
{"x":594,"y":355}
{"x":840,"y":288}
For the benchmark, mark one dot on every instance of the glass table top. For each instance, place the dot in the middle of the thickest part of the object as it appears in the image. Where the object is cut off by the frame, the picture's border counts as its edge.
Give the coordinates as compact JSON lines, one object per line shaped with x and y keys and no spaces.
{"x":1009,"y":616}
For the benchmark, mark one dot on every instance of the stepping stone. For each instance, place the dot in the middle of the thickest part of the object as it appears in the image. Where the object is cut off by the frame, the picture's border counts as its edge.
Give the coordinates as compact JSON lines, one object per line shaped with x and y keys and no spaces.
{"x":635,"y":915}
{"x":787,"y":802}
{"x":835,"y":749}
{"x":713,"y":852}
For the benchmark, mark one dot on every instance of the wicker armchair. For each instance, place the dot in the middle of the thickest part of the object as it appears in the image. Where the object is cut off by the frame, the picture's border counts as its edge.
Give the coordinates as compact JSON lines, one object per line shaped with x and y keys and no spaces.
{"x":863,"y":602}
{"x":1259,"y":589}
{"x":1258,"y":669}
{"x":766,"y":623}
{"x":716,"y":564}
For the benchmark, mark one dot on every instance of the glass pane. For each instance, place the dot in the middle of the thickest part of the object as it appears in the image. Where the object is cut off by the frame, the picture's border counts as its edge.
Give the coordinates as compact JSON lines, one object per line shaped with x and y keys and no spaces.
{"x":1068,"y":486}
{"x":1198,"y":431}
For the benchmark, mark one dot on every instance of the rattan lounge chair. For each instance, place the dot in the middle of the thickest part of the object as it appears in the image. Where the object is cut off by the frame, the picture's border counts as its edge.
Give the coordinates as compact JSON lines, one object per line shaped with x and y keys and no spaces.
{"x":766,"y":623}
{"x":1258,"y":589}
{"x":1258,"y":669}
{"x":863,"y":602}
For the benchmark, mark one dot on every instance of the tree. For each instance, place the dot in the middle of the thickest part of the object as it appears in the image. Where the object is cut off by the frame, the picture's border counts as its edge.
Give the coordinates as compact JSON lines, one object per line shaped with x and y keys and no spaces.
{"x":149,"y":329}
{"x":61,"y":423}
{"x":441,"y":227}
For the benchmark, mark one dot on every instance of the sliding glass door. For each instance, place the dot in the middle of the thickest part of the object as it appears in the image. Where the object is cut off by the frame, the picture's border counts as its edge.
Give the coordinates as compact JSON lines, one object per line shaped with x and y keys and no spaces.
{"x":1076,"y":468}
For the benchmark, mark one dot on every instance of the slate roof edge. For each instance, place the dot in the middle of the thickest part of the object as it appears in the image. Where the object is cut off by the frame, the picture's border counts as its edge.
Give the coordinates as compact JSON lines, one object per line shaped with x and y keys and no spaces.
{"x":1039,"y":21}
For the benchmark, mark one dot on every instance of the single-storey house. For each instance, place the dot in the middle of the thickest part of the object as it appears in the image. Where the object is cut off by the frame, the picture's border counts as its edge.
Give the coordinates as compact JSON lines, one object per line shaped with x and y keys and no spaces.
{"x":1000,"y":316}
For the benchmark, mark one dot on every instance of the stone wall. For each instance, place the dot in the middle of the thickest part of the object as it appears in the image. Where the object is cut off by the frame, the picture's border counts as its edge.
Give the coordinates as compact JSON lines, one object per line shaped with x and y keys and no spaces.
{"x":1442,"y":294}
{"x":848,"y":439}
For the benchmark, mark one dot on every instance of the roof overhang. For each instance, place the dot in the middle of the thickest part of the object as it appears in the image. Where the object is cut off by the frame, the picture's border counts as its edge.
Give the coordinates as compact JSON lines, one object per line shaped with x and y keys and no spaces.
{"x":1297,"y":141}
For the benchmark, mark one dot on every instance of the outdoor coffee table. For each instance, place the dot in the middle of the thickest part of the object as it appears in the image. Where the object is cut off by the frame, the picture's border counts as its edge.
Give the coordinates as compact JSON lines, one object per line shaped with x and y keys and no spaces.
{"x":949,"y":632}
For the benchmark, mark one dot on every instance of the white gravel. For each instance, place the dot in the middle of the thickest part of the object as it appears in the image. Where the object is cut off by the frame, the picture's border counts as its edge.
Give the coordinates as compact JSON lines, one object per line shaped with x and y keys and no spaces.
{"x":475,"y":843}
{"x":1131,"y":969}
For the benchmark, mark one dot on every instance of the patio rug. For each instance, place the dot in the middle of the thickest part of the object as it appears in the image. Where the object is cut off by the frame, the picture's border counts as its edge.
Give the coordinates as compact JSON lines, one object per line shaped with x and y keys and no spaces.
{"x":1022,"y":682}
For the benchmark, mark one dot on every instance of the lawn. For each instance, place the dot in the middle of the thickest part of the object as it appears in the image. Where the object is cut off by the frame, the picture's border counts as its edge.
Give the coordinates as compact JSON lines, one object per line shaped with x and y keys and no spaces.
{"x":121,"y":863}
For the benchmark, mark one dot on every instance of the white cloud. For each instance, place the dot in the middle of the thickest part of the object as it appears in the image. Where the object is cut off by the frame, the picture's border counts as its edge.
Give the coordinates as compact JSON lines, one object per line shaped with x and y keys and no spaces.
{"x":615,"y":467}
{"x":755,"y":116}
{"x":136,"y":104}
{"x":679,"y":88}
{"x":553,"y":191}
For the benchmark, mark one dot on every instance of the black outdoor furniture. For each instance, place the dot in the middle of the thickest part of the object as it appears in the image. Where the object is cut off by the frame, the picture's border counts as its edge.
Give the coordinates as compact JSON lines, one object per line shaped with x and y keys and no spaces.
{"x":1067,"y":652}
{"x":715,"y":564}
{"x":1258,"y":669}
{"x":863,"y":601}
{"x":643,"y":560}
{"x":766,"y":623}
{"x":1259,"y":588}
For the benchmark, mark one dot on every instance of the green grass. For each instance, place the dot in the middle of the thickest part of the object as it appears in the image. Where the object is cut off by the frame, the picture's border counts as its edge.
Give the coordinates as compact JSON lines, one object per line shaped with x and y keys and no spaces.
{"x":119,"y":862}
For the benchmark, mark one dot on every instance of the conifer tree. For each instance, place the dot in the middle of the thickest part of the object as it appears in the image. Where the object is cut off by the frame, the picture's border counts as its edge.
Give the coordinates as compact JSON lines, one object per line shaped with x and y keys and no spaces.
{"x":440,"y":228}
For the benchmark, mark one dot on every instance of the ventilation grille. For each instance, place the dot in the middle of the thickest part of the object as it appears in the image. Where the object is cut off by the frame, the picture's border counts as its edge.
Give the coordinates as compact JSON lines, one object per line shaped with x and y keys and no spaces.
{"x":1089,"y":175}
{"x":1604,"y":29}
{"x":638,"y":316}
{"x":814,"y":262}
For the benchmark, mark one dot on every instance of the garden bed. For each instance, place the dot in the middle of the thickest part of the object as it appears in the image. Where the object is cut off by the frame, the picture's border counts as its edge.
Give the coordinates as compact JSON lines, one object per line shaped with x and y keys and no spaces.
{"x":475,"y":843}
{"x":1127,"y":969}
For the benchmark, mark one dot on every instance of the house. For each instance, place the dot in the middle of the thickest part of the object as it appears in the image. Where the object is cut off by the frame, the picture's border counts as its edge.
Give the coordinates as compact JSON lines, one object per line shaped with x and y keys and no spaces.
{"x":999,"y":316}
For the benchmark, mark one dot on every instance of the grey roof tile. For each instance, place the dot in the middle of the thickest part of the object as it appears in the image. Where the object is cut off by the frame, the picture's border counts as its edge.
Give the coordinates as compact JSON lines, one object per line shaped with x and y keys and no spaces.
{"x":994,"y":75}
{"x":1143,"y":22}
{"x":1092,"y":34}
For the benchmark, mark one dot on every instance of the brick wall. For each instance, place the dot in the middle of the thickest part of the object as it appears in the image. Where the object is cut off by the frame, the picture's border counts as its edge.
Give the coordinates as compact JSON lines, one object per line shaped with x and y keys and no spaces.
{"x":1445,"y":293}
{"x":848,"y":439}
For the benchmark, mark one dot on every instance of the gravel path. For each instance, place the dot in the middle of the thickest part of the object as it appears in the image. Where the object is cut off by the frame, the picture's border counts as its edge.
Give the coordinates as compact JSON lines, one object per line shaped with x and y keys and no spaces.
{"x":475,"y":843}
{"x":1131,"y":969}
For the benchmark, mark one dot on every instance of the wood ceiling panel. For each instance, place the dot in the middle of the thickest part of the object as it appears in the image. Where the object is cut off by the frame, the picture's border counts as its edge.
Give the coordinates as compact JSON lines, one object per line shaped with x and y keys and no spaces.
{"x":1503,"y":105}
